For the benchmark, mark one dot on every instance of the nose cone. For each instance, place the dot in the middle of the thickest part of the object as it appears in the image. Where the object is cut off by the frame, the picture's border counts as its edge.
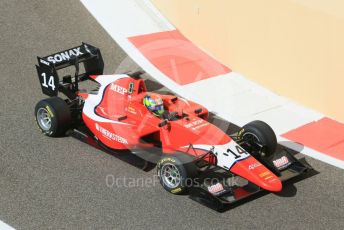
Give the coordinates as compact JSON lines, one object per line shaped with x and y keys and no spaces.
{"x":253,"y":171}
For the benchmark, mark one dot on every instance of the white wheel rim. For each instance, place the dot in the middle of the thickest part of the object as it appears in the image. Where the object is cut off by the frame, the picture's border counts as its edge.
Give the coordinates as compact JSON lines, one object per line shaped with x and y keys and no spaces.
{"x":170,"y":175}
{"x":44,"y":119}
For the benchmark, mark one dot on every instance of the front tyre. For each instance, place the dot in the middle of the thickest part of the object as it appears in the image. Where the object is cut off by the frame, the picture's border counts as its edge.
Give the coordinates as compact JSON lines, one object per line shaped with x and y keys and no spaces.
{"x":53,"y":116}
{"x":176,"y":173}
{"x":257,"y":137}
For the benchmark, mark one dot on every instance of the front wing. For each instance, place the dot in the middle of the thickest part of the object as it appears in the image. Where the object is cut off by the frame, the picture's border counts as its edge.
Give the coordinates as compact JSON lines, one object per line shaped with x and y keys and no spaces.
{"x":219,"y":190}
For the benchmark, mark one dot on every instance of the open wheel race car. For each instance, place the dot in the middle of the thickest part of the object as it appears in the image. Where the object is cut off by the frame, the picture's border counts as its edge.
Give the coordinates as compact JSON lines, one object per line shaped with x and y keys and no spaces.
{"x":193,"y":154}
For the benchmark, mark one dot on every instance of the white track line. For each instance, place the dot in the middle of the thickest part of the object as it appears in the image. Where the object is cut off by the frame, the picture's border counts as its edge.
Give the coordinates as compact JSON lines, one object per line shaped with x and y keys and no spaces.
{"x":4,"y":226}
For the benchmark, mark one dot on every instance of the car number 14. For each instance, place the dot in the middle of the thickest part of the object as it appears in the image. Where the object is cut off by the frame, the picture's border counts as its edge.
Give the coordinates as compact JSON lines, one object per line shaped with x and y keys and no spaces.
{"x":50,"y":82}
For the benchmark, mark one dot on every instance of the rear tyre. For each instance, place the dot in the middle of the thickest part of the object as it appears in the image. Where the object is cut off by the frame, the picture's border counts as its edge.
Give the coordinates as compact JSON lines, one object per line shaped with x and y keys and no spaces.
{"x":258,"y":137}
{"x":176,"y":173}
{"x":53,"y":116}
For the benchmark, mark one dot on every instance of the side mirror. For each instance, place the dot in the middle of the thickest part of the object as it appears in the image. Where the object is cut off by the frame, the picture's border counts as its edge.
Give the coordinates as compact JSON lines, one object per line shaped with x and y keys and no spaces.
{"x":173,"y":100}
{"x":198,"y":111}
{"x":163,"y":123}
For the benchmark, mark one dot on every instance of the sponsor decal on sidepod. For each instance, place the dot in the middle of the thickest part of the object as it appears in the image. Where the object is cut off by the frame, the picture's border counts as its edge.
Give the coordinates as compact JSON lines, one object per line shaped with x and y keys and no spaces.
{"x":106,"y":133}
{"x":118,"y":89}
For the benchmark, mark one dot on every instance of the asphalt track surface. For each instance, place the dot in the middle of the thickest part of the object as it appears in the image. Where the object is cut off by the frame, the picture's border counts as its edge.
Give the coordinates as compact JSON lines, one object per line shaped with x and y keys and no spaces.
{"x":60,"y":183}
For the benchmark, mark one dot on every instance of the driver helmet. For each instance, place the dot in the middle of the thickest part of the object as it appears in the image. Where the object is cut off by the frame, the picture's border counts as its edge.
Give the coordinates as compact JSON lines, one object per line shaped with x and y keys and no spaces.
{"x":154,"y":103}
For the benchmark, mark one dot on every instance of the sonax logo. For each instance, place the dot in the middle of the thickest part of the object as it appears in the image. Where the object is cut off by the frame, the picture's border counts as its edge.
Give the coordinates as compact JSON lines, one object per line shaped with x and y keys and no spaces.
{"x":65,"y":56}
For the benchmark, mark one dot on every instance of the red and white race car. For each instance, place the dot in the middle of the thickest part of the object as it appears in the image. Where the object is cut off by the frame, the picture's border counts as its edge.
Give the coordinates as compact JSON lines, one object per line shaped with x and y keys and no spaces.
{"x":191,"y":150}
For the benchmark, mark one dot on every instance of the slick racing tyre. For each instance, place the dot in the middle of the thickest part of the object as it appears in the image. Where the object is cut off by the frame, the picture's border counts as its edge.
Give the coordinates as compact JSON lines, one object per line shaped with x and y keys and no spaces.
{"x":53,"y":116}
{"x":258,"y":137}
{"x":176,"y":173}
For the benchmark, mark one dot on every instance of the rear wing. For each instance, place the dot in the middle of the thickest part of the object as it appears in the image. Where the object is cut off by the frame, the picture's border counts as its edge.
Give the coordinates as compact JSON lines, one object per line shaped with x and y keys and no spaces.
{"x":47,"y":69}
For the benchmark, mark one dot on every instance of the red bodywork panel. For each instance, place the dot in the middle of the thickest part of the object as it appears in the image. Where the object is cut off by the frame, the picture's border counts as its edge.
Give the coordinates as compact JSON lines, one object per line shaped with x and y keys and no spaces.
{"x":119,"y":106}
{"x":118,"y":118}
